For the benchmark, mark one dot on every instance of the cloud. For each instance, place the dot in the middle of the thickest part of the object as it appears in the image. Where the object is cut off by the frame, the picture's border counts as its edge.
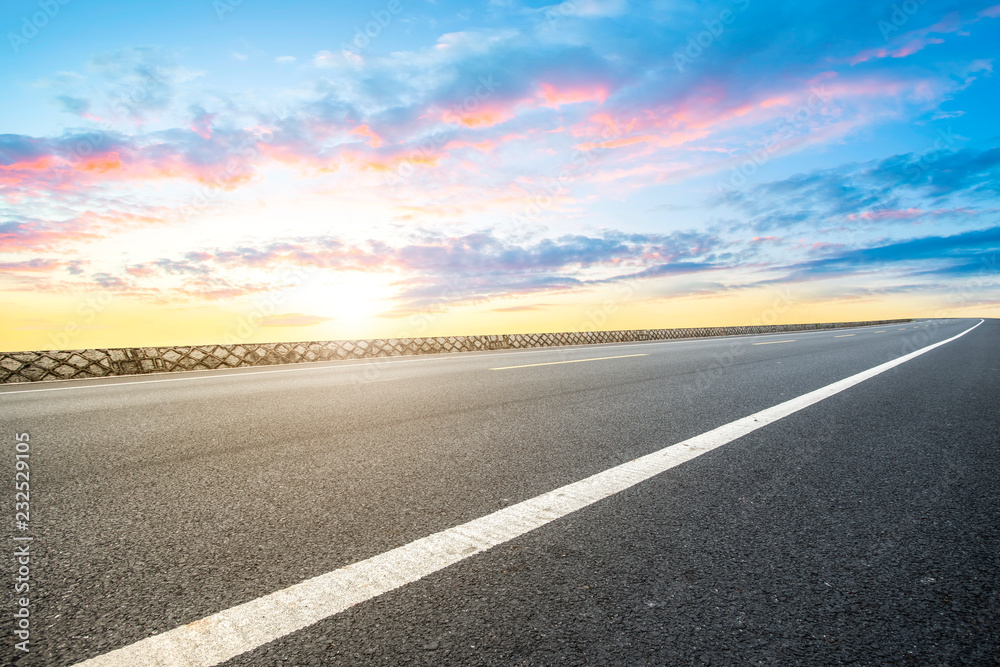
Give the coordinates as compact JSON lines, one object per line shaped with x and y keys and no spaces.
{"x":32,"y":165}
{"x":522,"y":309}
{"x":320,"y":252}
{"x":28,"y":235}
{"x":872,"y":191}
{"x":958,"y":254}
{"x":110,"y":283}
{"x":169,"y":267}
{"x":431,"y":271}
{"x":74,"y":105}
{"x":480,"y":253}
{"x":471,"y":89}
{"x":35,"y":265}
{"x":139,"y":82}
{"x":591,"y":9}
{"x":484,"y":252}
{"x":480,"y":267}
{"x":914,"y":41}
{"x":480,"y":122}
{"x":373,"y":139}
{"x":201,"y":121}
{"x":325,"y":58}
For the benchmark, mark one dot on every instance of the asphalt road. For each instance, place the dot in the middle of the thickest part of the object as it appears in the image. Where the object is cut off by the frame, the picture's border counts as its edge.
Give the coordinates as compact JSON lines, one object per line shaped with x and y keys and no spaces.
{"x":864,"y":529}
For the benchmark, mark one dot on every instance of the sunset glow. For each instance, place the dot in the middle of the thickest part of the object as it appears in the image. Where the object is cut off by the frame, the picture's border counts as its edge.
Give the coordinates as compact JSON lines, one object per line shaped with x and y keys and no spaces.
{"x":268,"y":172}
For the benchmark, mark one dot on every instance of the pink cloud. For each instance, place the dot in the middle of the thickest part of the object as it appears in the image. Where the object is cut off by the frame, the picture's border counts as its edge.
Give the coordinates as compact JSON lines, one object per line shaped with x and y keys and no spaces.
{"x":888,"y":214}
{"x":912,"y":214}
{"x":141,"y":271}
{"x":20,"y":172}
{"x":618,"y":143}
{"x":323,"y":254}
{"x":212,"y":289}
{"x":916,"y":40}
{"x":37,"y":265}
{"x":554,"y":97}
{"x":482,"y":116}
{"x":485,"y":146}
{"x":202,"y":125}
{"x":705,"y":113}
{"x":31,"y":236}
{"x":707,"y":120}
{"x":912,"y":46}
{"x":374,"y":140}
{"x":780,"y":100}
{"x":395,"y":160}
{"x":297,"y":155}
{"x":512,"y":136}
{"x":493,"y":111}
{"x":56,"y":171}
{"x":991,"y":12}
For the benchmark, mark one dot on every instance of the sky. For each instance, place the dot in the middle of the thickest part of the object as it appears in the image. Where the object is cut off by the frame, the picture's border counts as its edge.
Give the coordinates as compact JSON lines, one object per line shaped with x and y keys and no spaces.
{"x":233,"y":171}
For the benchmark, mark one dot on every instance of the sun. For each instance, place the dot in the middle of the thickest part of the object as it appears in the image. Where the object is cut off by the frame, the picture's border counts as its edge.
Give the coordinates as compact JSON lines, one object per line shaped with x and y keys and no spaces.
{"x":349,"y":297}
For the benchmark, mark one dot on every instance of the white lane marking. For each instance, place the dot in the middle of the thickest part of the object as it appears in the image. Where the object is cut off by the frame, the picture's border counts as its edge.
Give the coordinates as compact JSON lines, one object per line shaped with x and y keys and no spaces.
{"x":350,"y":363}
{"x":772,"y":342}
{"x":843,"y":335}
{"x":327,"y":366}
{"x":571,"y":361}
{"x":242,"y":628}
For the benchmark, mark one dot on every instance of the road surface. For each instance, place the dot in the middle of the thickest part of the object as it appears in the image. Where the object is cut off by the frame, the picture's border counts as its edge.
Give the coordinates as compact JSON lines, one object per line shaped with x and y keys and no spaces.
{"x":864,"y":526}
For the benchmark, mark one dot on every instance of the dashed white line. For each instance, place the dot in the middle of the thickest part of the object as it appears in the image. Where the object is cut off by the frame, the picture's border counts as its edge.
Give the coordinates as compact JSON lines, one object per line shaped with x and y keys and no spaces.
{"x":229,"y":633}
{"x":352,"y":363}
{"x":345,"y":363}
{"x":570,"y":361}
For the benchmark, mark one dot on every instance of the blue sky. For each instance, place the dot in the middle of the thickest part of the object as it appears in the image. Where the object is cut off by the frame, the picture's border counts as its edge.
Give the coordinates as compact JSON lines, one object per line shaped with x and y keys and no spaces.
{"x":200,"y":171}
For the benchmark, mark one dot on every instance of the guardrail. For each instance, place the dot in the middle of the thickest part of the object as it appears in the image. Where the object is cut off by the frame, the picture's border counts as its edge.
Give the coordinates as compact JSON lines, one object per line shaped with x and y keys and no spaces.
{"x":102,"y":362}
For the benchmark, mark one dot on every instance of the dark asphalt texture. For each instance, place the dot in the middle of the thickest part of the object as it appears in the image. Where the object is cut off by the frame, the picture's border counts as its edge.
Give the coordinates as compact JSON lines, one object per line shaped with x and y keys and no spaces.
{"x":863,"y":529}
